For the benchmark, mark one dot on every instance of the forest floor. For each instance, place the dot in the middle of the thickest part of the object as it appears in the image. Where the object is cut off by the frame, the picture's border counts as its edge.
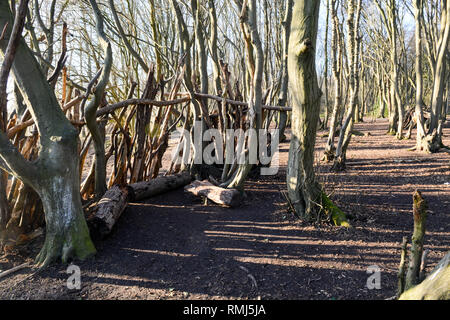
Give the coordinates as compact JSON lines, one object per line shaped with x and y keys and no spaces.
{"x":175,"y":247}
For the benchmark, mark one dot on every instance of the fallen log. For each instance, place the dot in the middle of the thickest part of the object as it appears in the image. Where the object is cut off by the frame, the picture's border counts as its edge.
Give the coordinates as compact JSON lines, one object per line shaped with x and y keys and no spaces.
{"x":108,"y":210}
{"x":218,"y":195}
{"x":144,"y":190}
{"x":435,"y":287}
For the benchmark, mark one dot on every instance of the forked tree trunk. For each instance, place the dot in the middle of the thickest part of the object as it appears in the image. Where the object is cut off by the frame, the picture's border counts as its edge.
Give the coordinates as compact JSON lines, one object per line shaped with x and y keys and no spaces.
{"x":285,"y":78}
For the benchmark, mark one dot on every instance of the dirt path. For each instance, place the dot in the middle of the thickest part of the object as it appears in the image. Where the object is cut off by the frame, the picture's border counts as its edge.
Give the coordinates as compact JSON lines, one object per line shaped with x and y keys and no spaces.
{"x":175,"y":247}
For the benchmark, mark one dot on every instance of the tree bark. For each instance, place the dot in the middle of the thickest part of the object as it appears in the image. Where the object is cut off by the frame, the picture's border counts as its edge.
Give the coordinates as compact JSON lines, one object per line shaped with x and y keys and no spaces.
{"x":254,"y":115}
{"x":222,"y":196}
{"x":354,"y":42}
{"x":418,"y":12}
{"x":420,"y":214}
{"x":336,"y":70}
{"x":303,"y":188}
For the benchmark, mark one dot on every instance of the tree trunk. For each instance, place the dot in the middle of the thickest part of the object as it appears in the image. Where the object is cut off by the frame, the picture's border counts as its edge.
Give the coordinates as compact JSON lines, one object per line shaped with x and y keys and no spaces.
{"x":108,"y":211}
{"x":354,"y":42}
{"x":336,"y":70}
{"x":285,"y":77}
{"x":91,"y":110}
{"x":418,"y":10}
{"x":435,"y":287}
{"x":440,"y":70}
{"x":254,"y":115}
{"x":144,"y":190}
{"x":303,"y":188}
{"x":67,"y":234}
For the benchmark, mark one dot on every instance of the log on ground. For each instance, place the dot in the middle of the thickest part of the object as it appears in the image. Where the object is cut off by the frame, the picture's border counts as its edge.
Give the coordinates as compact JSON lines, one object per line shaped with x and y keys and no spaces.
{"x":108,"y":211}
{"x":218,"y":195}
{"x":147,"y":189}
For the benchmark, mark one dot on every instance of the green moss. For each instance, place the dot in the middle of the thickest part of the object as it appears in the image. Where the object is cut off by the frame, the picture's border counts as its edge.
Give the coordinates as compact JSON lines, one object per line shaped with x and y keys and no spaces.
{"x":391,"y":133}
{"x":337,"y":215}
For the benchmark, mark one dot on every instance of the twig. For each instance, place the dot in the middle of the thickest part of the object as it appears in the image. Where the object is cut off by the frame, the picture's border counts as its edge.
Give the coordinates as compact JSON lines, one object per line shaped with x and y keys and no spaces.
{"x":311,"y":280}
{"x":15,"y":269}
{"x":2,"y":36}
{"x":254,"y":283}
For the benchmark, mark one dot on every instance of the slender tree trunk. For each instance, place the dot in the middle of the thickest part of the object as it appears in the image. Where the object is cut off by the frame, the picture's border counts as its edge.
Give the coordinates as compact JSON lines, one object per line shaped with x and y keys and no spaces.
{"x":325,"y":76}
{"x":213,"y":47}
{"x":91,"y":110}
{"x":285,"y":78}
{"x":440,"y":68}
{"x":418,"y":10}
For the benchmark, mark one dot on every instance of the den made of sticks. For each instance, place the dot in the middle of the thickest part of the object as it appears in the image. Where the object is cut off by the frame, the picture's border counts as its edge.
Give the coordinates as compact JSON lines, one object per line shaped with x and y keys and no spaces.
{"x":217,"y":150}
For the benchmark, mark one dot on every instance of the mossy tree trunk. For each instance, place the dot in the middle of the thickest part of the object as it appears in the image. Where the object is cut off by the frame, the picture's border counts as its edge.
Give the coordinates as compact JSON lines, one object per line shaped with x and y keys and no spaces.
{"x":415,"y":260}
{"x":305,"y":192}
{"x":54,"y":175}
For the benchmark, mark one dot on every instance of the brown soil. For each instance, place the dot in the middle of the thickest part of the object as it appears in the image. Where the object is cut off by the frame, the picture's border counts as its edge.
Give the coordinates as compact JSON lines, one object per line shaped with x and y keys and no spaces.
{"x":175,"y":247}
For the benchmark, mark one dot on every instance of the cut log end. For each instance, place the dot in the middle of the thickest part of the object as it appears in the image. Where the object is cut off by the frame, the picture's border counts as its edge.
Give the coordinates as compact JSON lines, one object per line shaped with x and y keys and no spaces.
{"x":108,"y":211}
